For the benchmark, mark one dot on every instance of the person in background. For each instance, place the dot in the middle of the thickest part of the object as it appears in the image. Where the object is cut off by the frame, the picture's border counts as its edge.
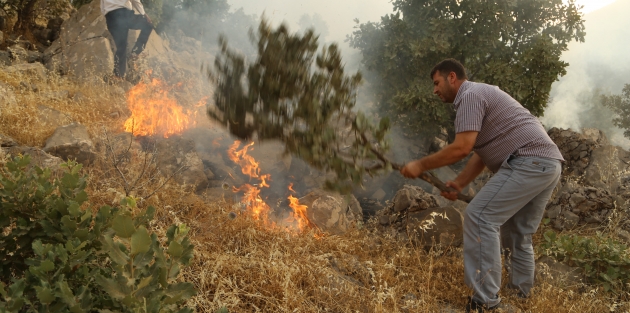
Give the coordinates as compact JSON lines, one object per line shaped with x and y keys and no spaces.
{"x":120,"y":18}
{"x":507,"y":139}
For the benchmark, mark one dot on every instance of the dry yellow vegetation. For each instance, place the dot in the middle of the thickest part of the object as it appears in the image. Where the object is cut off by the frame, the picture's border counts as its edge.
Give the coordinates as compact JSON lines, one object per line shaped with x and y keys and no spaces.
{"x":241,"y":265}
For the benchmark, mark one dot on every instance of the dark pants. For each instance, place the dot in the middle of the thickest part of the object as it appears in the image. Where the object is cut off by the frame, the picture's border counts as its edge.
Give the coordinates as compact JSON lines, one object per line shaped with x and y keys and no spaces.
{"x":119,"y":22}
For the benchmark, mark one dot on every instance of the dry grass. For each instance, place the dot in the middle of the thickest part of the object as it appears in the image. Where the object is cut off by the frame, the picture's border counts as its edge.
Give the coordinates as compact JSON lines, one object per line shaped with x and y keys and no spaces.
{"x":243,"y":266}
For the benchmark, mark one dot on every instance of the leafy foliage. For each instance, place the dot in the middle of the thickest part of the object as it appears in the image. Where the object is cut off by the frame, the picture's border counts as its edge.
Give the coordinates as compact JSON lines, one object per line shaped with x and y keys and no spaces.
{"x":604,"y":260}
{"x":620,"y":105}
{"x":515,"y":45}
{"x":28,"y":10}
{"x":58,"y":256}
{"x":301,"y":98}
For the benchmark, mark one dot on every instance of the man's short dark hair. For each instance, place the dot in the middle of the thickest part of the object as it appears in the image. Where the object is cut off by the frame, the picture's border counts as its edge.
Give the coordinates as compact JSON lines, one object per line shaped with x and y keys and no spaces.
{"x":447,"y":66}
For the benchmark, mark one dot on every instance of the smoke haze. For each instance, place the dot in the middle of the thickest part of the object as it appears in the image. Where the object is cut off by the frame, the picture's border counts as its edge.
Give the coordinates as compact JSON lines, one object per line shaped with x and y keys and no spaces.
{"x":597,"y":66}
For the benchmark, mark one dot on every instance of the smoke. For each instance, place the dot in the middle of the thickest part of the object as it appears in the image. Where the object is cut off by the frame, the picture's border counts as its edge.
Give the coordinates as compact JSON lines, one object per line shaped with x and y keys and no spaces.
{"x":597,"y":66}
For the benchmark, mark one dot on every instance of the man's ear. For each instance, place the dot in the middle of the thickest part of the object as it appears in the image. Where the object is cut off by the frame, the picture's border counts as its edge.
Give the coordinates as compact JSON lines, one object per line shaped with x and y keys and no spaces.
{"x":452,"y":77}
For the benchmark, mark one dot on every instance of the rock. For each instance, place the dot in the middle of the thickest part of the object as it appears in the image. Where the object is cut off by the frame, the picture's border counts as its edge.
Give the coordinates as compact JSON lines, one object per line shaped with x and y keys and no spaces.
{"x":33,"y":56}
{"x":28,"y":71}
{"x":18,"y":54}
{"x":1,"y":36}
{"x":177,"y":157}
{"x":83,"y":45}
{"x":71,"y":142}
{"x":558,"y":273}
{"x":331,"y":212}
{"x":572,"y":145}
{"x":5,"y":58}
{"x":38,"y":156}
{"x":402,"y":201}
{"x":437,"y":226}
{"x":6,"y":141}
{"x":7,"y":96}
{"x":51,"y":117}
{"x":570,"y":219}
{"x":553,"y":212}
{"x":608,"y":163}
{"x":595,"y":135}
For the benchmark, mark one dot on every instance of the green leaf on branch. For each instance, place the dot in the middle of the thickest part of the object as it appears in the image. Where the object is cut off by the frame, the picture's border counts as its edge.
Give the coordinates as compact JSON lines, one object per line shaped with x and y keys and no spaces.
{"x":123,"y":226}
{"x":140,"y":241}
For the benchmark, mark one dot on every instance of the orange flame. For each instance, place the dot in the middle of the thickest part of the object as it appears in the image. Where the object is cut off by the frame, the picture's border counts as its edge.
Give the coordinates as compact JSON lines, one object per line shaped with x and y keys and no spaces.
{"x":255,"y":204}
{"x":155,"y":112}
{"x":299,"y":213}
{"x":251,"y":198}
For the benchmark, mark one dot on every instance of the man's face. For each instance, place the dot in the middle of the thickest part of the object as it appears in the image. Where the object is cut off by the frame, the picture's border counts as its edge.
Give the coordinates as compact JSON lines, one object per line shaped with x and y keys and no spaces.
{"x":444,"y":86}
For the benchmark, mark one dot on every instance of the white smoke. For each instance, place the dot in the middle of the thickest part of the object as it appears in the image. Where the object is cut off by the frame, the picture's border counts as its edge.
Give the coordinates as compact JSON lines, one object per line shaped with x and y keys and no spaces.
{"x":599,"y":65}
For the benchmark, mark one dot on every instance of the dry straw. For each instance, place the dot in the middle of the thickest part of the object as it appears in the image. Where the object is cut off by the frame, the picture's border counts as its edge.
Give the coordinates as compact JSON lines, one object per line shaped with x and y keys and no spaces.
{"x":247,"y":268}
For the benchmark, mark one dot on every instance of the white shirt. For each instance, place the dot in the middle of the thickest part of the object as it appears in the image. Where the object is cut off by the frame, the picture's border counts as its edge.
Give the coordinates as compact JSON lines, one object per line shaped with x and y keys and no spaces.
{"x":111,"y":5}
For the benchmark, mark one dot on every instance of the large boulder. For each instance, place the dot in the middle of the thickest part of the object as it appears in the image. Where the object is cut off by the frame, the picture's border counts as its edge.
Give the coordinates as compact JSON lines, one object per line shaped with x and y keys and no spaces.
{"x":86,"y":48}
{"x":609,"y":166}
{"x":71,"y":142}
{"x":331,"y":212}
{"x":38,"y":157}
{"x":177,"y":158}
{"x":50,"y":117}
{"x":84,"y":45}
{"x":416,"y":215}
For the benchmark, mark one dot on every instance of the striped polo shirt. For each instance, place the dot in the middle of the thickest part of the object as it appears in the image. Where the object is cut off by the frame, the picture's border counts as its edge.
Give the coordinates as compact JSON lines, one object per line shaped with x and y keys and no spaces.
{"x":505,"y":127}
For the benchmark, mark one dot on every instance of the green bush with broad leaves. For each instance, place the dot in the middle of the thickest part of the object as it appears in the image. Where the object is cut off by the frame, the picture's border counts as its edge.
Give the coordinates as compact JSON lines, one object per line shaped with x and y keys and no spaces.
{"x":604,"y":260}
{"x":60,"y":256}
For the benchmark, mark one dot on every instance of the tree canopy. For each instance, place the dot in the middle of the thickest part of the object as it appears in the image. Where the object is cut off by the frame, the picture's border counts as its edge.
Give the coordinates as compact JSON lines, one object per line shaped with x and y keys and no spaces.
{"x":620,"y":105}
{"x":514,"y":44}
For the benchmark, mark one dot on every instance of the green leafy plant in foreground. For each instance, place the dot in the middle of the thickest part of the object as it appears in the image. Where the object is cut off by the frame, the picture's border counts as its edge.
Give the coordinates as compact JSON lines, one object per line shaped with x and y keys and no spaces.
{"x":58,"y":256}
{"x":604,"y":260}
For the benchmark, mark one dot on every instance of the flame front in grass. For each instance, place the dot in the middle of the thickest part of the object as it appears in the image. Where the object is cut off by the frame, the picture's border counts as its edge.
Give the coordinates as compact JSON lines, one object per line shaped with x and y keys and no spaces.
{"x":299,"y":213}
{"x":154,"y":111}
{"x":250,"y":167}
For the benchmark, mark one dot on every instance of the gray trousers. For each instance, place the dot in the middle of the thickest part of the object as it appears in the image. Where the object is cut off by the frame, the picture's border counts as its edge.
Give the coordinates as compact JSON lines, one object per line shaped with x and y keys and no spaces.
{"x":505,"y":213}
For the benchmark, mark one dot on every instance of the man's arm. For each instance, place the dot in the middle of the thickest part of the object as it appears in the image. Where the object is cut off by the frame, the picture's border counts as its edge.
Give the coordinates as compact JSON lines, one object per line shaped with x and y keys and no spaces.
{"x":473,"y":168}
{"x":459,"y":149}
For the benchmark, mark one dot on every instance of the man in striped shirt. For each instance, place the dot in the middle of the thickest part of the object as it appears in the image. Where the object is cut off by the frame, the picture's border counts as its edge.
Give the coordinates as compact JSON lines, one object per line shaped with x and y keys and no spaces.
{"x":504,"y":137}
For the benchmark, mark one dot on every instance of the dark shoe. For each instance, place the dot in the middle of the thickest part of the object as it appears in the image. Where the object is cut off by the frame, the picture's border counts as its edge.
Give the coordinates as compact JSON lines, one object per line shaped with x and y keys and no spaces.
{"x":476,"y":307}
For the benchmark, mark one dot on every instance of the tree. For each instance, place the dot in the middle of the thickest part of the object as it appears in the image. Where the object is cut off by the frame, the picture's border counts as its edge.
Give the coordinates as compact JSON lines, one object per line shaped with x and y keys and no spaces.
{"x":304,"y":99}
{"x":28,"y":10}
{"x":620,"y":105}
{"x":514,"y":44}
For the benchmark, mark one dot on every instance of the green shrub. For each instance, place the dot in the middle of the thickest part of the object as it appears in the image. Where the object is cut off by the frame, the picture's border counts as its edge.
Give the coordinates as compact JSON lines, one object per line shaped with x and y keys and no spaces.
{"x":58,"y":256}
{"x":604,"y":260}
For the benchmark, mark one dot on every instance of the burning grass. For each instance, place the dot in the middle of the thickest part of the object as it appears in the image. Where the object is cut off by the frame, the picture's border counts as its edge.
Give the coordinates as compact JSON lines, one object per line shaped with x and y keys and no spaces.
{"x":247,"y":266}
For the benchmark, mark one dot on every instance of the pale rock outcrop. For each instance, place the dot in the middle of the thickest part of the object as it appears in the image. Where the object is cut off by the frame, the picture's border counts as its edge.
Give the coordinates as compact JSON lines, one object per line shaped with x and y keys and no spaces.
{"x":331,"y":212}
{"x":7,"y":96}
{"x":416,"y":215}
{"x":178,"y":158}
{"x":50,"y":117}
{"x":71,"y":142}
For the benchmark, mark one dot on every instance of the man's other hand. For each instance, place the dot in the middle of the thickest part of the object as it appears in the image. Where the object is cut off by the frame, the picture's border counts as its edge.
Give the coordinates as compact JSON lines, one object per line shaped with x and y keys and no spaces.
{"x":412,"y":169}
{"x":146,"y":16}
{"x":453,"y":194}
